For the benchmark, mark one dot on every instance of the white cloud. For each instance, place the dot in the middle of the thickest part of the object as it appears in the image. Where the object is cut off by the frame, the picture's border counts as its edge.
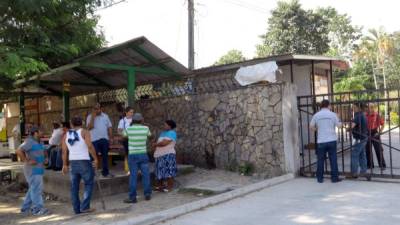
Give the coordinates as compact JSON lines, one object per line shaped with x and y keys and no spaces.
{"x":222,"y":24}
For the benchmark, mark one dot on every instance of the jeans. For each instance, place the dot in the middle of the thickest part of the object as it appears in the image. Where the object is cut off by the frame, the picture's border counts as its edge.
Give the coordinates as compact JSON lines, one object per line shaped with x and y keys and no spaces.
{"x":33,"y":198}
{"x":322,"y":149}
{"x":55,"y":158}
{"x":81,"y":169}
{"x":358,"y":157}
{"x":375,"y":141}
{"x":135,"y":162}
{"x":102,"y":147}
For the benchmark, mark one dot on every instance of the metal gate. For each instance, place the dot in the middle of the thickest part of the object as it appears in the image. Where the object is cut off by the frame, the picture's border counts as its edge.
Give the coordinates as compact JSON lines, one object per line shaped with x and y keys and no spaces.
{"x":341,"y":103}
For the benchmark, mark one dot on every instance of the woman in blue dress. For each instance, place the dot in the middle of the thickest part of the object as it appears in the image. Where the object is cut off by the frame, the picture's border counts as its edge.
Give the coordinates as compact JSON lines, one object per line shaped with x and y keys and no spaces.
{"x":165,"y":157}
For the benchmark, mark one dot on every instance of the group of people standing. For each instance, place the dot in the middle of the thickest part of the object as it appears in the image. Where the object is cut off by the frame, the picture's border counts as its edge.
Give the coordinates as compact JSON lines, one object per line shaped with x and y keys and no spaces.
{"x":81,"y":148}
{"x":365,"y":127}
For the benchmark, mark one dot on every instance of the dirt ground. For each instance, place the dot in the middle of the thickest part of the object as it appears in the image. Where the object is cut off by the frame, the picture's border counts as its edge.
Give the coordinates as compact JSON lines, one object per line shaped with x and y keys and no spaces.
{"x":12,"y":196}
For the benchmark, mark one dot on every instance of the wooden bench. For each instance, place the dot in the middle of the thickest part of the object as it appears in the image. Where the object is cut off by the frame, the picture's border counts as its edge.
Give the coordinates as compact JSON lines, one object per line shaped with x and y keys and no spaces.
{"x":115,"y":149}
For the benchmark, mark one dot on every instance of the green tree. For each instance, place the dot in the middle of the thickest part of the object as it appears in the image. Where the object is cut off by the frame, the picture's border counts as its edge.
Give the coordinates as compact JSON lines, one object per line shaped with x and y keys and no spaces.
{"x":341,"y":33}
{"x":292,"y":29}
{"x":350,"y":84}
{"x":231,"y":56}
{"x":36,"y":35}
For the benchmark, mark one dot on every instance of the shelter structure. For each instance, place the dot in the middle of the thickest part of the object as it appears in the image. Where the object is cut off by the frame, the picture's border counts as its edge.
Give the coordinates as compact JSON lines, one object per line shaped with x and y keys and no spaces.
{"x":126,"y":65}
{"x":221,"y":124}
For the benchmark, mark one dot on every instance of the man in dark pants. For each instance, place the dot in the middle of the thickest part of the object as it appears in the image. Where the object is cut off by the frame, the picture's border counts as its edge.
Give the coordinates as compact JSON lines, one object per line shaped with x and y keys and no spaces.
{"x":375,"y":124}
{"x":100,"y":128}
{"x":360,"y":137}
{"x":325,"y":122}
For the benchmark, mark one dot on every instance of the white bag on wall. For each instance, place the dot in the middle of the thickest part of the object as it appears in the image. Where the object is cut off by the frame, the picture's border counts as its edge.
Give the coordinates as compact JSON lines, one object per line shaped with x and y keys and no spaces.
{"x":256,"y":73}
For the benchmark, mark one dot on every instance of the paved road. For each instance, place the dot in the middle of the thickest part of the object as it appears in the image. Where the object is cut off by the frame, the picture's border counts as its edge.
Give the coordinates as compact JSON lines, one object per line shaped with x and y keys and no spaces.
{"x":303,"y":201}
{"x":392,"y":156}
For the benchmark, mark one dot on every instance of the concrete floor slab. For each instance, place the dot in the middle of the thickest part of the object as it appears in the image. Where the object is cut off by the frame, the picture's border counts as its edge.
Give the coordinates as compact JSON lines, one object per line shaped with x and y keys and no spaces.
{"x":304,"y":201}
{"x":211,"y":186}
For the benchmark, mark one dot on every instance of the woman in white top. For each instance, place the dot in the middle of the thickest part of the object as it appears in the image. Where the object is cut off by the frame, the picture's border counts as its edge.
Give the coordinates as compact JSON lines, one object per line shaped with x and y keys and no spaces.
{"x":77,"y":146}
{"x":122,"y":125}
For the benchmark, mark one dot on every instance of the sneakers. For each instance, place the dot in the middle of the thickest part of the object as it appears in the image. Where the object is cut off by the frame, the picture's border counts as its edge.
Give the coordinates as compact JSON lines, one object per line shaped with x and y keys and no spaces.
{"x":41,"y":212}
{"x":108,"y":176}
{"x":337,"y":180}
{"x":130,"y":201}
{"x":147,"y":198}
{"x":25,"y":212}
{"x":89,"y":210}
{"x":367,"y":176}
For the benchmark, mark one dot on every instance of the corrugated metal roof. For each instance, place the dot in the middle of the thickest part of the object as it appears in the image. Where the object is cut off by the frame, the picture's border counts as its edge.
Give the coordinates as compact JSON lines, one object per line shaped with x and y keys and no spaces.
{"x":280,"y":59}
{"x":138,"y":52}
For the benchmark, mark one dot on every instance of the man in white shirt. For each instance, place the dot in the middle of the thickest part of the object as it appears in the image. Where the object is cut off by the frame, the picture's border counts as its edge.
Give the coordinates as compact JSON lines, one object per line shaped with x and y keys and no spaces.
{"x":54,"y":149}
{"x":325,"y":123}
{"x":57,"y":134}
{"x":100,"y":127}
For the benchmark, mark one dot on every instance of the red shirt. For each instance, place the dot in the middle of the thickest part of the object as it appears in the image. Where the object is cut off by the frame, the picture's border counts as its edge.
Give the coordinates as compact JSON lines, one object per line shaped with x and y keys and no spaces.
{"x":374,"y":121}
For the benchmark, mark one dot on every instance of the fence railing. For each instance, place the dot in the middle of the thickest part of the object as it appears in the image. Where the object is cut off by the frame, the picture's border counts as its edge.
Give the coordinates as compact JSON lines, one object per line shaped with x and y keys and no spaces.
{"x":175,"y":88}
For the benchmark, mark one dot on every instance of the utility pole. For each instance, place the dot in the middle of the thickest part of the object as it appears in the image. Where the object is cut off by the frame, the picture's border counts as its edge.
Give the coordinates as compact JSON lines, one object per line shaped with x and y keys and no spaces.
{"x":191,"y":34}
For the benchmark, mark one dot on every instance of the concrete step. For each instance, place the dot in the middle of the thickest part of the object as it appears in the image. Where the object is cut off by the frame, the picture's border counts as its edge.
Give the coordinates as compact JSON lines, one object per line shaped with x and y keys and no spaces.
{"x":209,"y":187}
{"x":57,"y":184}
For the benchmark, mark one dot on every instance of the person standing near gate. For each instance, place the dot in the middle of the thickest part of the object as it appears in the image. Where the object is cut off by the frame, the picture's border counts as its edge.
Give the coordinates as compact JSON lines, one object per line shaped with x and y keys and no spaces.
{"x":375,"y":124}
{"x":325,"y":123}
{"x":76,"y":147}
{"x":360,"y":137}
{"x":100,"y":128}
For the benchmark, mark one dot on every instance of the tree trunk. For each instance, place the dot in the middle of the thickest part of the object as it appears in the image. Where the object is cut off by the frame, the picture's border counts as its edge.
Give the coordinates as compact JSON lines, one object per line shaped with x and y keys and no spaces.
{"x":385,"y":93}
{"x":374,"y":75}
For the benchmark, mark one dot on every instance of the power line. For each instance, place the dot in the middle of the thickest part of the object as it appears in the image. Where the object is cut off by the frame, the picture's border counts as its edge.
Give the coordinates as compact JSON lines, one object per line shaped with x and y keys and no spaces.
{"x":110,"y":5}
{"x":249,"y":6}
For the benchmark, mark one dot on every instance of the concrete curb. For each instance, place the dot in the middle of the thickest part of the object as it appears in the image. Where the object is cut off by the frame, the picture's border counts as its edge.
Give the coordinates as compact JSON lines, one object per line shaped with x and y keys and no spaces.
{"x":158,"y":217}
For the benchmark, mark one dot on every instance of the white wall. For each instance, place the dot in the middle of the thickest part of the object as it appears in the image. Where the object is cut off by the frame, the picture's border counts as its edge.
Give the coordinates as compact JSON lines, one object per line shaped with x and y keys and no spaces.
{"x":290,"y":129}
{"x":301,"y":77}
{"x":11,"y":110}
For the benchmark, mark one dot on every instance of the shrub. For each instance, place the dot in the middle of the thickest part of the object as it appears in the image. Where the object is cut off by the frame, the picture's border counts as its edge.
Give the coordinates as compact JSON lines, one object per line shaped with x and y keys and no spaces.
{"x":394,"y":118}
{"x":246,"y":169}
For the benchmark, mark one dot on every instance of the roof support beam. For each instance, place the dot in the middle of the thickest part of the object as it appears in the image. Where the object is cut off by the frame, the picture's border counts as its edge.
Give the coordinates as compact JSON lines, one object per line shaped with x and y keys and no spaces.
{"x":150,"y":58}
{"x":21,"y":101}
{"x":76,"y":83}
{"x":57,"y":93}
{"x":90,"y":76}
{"x":105,"y":66}
{"x":126,"y":68}
{"x":60,"y":69}
{"x":131,"y":87}
{"x":65,"y":97}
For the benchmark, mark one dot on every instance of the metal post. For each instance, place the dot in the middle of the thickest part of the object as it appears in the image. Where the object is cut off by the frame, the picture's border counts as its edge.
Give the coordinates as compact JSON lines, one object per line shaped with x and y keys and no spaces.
{"x":331,"y":75}
{"x":65,"y":96}
{"x":312,"y":79}
{"x":191,"y":34}
{"x":38,"y":110}
{"x":21,"y":100}
{"x":291,"y":71}
{"x":131,"y":87}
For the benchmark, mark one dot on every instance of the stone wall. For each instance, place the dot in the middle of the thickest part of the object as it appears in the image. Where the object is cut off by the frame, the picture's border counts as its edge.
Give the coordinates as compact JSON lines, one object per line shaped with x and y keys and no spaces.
{"x":216,"y":129}
{"x":225,"y":129}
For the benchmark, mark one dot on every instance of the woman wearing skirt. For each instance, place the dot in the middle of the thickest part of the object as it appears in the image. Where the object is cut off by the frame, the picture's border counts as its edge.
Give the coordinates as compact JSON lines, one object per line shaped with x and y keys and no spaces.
{"x":164,"y":155}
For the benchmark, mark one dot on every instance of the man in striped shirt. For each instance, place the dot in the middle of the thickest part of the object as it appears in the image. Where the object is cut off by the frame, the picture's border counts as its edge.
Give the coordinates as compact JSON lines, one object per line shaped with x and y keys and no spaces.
{"x":137,"y":135}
